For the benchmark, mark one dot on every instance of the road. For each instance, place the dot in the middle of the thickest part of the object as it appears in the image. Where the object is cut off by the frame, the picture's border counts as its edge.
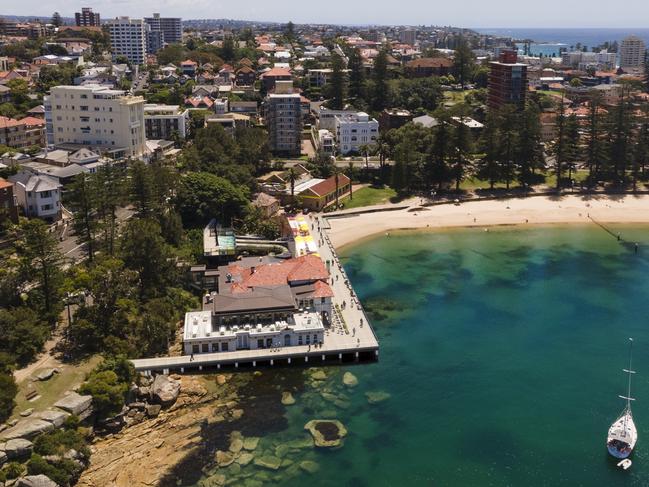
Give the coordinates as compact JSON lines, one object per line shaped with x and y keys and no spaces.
{"x":140,"y":83}
{"x":74,"y":251}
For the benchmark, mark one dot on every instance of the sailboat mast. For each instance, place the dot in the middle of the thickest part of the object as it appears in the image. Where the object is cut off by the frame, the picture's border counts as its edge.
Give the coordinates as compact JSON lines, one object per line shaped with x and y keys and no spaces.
{"x":630,"y":371}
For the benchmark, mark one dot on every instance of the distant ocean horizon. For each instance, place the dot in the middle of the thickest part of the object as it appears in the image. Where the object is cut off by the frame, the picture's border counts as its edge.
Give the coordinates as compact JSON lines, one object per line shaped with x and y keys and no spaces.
{"x":590,"y":37}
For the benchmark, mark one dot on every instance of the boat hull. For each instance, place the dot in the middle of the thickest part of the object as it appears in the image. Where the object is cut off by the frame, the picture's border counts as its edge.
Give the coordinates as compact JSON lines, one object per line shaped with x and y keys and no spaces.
{"x":614,"y":452}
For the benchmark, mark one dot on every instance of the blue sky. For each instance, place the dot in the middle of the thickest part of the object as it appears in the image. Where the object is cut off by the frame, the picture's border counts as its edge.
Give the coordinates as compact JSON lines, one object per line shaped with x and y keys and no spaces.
{"x":465,"y":13}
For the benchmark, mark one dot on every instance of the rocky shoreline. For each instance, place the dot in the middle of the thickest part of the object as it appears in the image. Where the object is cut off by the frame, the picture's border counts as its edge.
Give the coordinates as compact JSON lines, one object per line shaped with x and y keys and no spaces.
{"x":156,"y":439}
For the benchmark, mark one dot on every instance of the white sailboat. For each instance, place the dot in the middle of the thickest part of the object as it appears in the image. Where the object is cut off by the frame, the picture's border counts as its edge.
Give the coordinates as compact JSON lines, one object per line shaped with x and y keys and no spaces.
{"x":623,"y":435}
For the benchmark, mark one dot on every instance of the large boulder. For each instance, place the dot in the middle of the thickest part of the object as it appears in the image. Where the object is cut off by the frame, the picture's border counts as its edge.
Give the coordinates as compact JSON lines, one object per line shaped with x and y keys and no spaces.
{"x":36,"y":481}
{"x":3,"y":458}
{"x":45,"y":374}
{"x":165,"y":390}
{"x":374,"y":397}
{"x":327,"y":433}
{"x":74,"y":403}
{"x":350,"y":379}
{"x":268,"y":461}
{"x":287,"y":398}
{"x":57,"y":418}
{"x":224,"y":458}
{"x":27,"y":428}
{"x":18,"y":448}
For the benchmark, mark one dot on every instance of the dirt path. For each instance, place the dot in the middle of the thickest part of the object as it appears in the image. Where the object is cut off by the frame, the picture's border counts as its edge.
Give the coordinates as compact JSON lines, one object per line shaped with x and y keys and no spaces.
{"x":46,"y":360}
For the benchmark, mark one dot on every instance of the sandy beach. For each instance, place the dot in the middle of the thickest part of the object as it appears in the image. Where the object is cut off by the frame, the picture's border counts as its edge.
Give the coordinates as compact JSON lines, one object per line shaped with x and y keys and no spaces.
{"x":516,"y":211}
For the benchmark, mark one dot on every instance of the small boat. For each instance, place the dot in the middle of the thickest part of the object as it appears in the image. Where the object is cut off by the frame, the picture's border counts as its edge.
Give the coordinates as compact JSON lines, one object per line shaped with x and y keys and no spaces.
{"x":623,"y":435}
{"x":624,"y":464}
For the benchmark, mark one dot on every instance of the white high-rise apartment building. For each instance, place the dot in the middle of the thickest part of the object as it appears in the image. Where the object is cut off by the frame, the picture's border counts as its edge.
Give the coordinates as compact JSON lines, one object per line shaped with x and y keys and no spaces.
{"x":98,"y":117}
{"x":354,"y":131}
{"x":128,"y":38}
{"x":171,"y":27}
{"x":632,"y":52}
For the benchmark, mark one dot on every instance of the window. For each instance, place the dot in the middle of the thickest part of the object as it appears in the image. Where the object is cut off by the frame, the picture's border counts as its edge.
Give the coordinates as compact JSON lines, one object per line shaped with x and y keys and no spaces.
{"x":215,"y":347}
{"x":260,"y":343}
{"x":46,"y":207}
{"x":205,"y":347}
{"x":195,"y":349}
{"x":46,"y":194}
{"x":299,"y":340}
{"x":224,"y":346}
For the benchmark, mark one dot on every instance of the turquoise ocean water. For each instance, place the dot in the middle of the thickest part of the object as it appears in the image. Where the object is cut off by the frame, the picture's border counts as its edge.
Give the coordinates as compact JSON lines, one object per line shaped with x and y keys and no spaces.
{"x":501,"y":353}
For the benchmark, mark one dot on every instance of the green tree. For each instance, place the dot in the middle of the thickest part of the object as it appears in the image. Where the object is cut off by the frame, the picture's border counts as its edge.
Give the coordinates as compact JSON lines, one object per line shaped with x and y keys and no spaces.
{"x":620,"y":129}
{"x":380,"y":81}
{"x":462,"y":146}
{"x":56,"y":19}
{"x":489,"y":165}
{"x":85,"y":222}
{"x":144,"y":250}
{"x":337,"y":83}
{"x":356,"y":75}
{"x":203,"y":196}
{"x":463,"y":61}
{"x":8,"y":387}
{"x":41,"y":261}
{"x":228,"y":49}
{"x":596,"y":151}
{"x":529,"y":153}
{"x":23,"y":334}
{"x":107,"y":392}
{"x":509,"y":141}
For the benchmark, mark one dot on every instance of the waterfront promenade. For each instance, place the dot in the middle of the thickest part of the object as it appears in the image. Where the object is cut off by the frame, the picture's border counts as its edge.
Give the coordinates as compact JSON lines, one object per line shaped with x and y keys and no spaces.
{"x":349,"y":337}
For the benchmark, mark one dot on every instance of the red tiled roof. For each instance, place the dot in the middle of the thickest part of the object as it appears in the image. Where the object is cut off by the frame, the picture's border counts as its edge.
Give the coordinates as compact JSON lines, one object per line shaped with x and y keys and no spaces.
{"x":322,"y":290}
{"x":329,"y":185}
{"x":31,"y":121}
{"x":6,"y":122}
{"x":5,"y":184}
{"x":198,"y":101}
{"x":276,"y":72}
{"x":304,"y":268}
{"x":189,"y":62}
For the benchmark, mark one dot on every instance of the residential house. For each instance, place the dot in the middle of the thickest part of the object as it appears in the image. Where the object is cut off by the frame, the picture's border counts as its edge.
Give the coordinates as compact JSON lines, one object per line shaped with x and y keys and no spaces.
{"x":269,"y":205}
{"x":38,"y":195}
{"x":425,"y":67}
{"x":245,"y":76}
{"x":272,"y":76}
{"x":8,"y":209}
{"x":189,"y":67}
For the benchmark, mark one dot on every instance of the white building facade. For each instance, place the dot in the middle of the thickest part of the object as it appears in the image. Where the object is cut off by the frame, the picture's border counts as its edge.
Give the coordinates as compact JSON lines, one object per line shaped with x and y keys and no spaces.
{"x":202,"y":335}
{"x":354,"y":131}
{"x":38,"y":195}
{"x":128,"y":38}
{"x":97,"y":117}
{"x":162,"y":121}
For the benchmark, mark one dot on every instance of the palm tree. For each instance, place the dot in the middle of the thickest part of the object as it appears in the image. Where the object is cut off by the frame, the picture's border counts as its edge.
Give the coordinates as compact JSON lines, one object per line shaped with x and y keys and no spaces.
{"x":291,"y":176}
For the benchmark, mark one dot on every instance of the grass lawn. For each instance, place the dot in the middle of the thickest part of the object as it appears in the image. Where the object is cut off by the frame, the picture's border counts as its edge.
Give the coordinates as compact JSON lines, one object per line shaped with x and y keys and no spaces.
{"x":369,"y":196}
{"x":456,"y":96}
{"x":52,"y":390}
